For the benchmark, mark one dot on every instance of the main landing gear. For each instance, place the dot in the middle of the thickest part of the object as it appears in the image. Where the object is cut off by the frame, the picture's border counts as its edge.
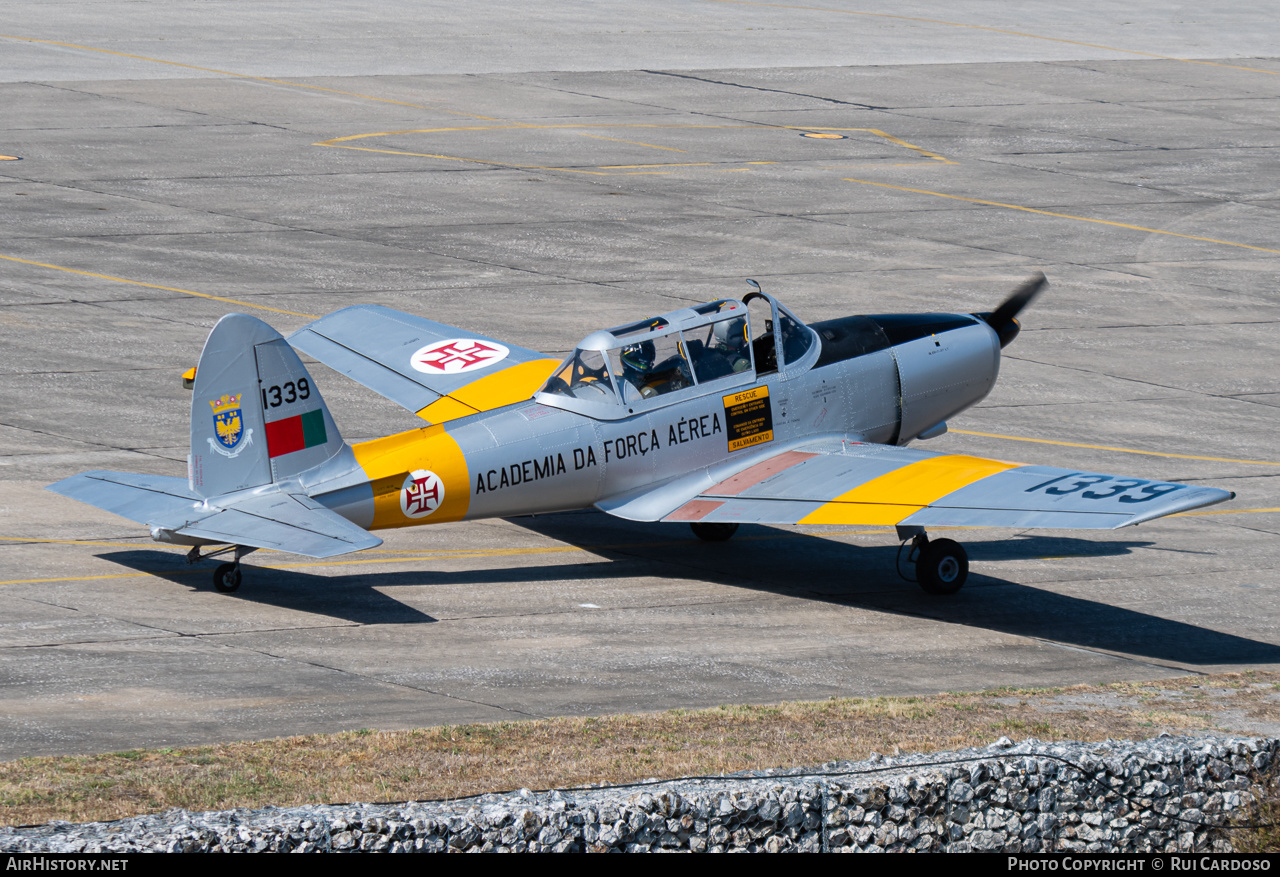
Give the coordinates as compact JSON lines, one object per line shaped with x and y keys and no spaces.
{"x":226,"y":578}
{"x":942,"y":565}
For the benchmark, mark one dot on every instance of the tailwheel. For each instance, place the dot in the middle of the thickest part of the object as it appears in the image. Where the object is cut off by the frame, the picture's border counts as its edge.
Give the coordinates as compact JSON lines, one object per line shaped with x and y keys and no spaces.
{"x":713,"y":532}
{"x":942,"y":566}
{"x":226,"y":578}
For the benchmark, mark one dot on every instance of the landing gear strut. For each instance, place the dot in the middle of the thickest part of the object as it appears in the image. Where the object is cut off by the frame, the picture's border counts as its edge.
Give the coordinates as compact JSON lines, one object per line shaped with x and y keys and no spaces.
{"x":713,"y":532}
{"x":942,"y":565}
{"x":226,"y":578}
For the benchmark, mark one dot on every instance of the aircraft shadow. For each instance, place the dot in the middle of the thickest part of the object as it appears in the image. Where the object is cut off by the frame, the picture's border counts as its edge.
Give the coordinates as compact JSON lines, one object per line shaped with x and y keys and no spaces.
{"x":787,"y":562}
{"x":347,"y":598}
{"x":766,"y":559}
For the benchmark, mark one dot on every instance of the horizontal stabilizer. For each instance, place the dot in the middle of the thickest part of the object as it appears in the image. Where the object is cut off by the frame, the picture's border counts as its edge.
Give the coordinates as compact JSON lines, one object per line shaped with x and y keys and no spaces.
{"x":270,"y":519}
{"x":147,"y":499}
{"x":418,"y":363}
{"x":285,"y":522}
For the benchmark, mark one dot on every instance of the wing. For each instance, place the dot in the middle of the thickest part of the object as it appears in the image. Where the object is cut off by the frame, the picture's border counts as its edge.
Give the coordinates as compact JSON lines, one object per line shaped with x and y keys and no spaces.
{"x":274,"y":519}
{"x":438,"y":372}
{"x":831,"y":481}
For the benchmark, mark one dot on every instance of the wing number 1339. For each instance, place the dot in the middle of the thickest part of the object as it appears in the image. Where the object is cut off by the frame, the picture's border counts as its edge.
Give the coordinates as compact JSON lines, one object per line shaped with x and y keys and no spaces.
{"x":1105,"y":487}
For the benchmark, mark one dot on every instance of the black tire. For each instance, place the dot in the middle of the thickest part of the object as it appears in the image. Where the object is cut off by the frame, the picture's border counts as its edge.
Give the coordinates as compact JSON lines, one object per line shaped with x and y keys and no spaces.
{"x":713,"y":532}
{"x":226,"y":578}
{"x":943,"y":566}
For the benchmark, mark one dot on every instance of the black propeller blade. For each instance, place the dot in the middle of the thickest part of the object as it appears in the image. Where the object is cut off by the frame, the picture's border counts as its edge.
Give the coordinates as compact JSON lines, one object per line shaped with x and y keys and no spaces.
{"x":1004,"y":318}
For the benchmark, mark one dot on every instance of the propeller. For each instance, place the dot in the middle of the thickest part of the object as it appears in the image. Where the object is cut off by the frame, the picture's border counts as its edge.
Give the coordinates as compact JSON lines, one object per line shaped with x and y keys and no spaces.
{"x":1003,"y":319}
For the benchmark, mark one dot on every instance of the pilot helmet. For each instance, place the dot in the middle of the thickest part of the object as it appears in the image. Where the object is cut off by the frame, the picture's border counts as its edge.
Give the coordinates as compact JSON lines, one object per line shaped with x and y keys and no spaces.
{"x":638,"y":357}
{"x":730,"y":334}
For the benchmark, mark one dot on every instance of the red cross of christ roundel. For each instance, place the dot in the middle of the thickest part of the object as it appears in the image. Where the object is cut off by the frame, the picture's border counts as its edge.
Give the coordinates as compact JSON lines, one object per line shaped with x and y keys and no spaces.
{"x":457,"y":355}
{"x":421,"y":493}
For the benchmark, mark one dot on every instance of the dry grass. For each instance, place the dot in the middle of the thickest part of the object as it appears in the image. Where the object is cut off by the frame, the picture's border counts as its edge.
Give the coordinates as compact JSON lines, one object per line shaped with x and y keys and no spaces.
{"x":456,"y":761}
{"x":1264,"y":813}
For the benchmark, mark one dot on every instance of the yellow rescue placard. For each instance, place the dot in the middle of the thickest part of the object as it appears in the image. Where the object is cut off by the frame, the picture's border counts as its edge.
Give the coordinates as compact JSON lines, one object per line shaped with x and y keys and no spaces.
{"x":748,"y":418}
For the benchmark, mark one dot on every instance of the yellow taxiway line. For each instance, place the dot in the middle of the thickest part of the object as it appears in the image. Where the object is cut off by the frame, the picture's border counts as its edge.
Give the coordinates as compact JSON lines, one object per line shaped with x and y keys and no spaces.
{"x":35,"y":540}
{"x":342,"y":143}
{"x":1190,"y":237}
{"x":632,"y":142}
{"x":1019,"y":438}
{"x":110,"y":277}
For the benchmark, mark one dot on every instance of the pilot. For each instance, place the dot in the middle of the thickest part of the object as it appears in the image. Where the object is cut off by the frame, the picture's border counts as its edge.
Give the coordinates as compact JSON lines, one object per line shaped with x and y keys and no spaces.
{"x":728,"y":353}
{"x":731,"y":342}
{"x":637,"y":367}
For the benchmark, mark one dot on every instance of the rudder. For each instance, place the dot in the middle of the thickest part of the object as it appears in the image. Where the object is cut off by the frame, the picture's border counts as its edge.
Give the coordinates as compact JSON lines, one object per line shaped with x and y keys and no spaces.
{"x":256,"y":414}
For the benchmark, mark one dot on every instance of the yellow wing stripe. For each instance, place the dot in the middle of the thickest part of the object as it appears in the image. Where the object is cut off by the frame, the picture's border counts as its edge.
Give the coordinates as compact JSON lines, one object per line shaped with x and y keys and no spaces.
{"x":514,"y":384}
{"x":446,"y":408}
{"x":886,"y":500}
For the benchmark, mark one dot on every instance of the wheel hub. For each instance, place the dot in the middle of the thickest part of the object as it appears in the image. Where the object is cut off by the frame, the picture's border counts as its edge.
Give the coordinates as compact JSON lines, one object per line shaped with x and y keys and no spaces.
{"x":948,"y":569}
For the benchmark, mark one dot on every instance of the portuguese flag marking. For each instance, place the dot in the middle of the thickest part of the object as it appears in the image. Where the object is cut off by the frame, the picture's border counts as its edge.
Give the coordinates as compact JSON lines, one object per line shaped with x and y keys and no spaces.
{"x":296,"y":433}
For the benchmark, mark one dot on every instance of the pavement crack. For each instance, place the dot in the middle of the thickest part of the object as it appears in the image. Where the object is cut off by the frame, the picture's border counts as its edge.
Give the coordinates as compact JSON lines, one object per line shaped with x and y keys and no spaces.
{"x":1076,"y":368}
{"x":1066,"y":404}
{"x":292,"y":628}
{"x":87,"y":642}
{"x":1196,"y":325}
{"x":830,"y":100}
{"x":1216,"y":478}
{"x":103,"y":445}
{"x":100,"y":95}
{"x":87,"y":371}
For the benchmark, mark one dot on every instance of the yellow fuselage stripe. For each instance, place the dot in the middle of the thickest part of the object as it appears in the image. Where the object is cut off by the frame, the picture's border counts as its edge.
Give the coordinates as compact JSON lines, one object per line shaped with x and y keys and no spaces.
{"x":388,"y":462}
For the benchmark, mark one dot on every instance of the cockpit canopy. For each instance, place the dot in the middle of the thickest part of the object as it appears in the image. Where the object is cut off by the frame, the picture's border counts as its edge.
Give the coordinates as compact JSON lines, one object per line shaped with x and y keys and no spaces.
{"x":651,"y":363}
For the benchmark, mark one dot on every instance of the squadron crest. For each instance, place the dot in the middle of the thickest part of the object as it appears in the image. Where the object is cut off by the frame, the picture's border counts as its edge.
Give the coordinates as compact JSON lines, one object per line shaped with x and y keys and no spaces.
{"x":228,"y":426}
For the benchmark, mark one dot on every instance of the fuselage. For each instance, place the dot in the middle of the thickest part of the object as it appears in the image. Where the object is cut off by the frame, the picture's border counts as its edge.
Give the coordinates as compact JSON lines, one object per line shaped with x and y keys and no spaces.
{"x":884,"y":379}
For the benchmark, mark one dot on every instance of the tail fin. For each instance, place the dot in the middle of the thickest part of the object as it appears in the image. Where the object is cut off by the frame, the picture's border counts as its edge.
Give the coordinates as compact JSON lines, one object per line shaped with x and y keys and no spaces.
{"x":256,"y":414}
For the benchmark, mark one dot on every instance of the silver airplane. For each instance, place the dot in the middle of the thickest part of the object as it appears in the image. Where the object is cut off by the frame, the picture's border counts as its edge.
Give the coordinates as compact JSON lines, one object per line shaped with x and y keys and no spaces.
{"x":715,"y":415}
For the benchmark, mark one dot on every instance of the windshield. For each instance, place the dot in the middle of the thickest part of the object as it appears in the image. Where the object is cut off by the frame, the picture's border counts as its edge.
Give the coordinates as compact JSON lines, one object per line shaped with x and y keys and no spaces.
{"x":583,"y":376}
{"x":796,"y":339}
